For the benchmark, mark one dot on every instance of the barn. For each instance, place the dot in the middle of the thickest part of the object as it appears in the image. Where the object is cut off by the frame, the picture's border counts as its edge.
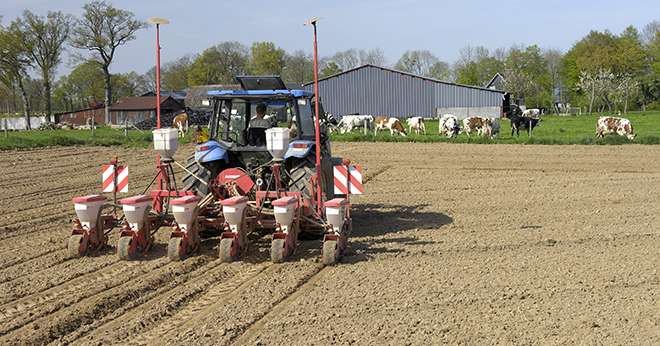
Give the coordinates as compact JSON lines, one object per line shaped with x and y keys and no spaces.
{"x":141,"y":110}
{"x":83,"y":116}
{"x":376,"y":90}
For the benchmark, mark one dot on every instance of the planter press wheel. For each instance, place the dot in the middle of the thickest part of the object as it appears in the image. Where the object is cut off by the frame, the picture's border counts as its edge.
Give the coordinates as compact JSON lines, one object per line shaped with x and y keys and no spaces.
{"x":225,"y":250}
{"x":330,"y":252}
{"x":277,"y":250}
{"x":77,"y":245}
{"x":176,"y":249}
{"x":124,"y":248}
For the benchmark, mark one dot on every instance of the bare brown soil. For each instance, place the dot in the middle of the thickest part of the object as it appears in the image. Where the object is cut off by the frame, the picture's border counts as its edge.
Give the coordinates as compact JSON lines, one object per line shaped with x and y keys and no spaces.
{"x":453,"y":243}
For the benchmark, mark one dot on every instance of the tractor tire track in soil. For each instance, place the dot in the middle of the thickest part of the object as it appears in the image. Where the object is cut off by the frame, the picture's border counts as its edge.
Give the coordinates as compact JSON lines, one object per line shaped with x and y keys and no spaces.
{"x":566,"y":234}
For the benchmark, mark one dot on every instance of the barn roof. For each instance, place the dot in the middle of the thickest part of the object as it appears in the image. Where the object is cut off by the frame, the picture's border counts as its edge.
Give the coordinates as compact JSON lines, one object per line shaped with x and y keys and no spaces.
{"x":494,"y":79}
{"x":140,"y":103}
{"x":405,"y":74}
{"x":91,"y":108}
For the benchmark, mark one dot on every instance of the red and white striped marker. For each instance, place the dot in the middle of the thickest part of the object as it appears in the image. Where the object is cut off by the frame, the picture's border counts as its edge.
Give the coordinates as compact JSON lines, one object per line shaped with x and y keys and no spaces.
{"x":108,"y":178}
{"x":348,"y":180}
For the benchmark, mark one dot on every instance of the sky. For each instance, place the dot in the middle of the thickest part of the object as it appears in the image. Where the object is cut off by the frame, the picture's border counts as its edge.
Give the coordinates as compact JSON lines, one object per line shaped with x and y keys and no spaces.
{"x":442,"y":27}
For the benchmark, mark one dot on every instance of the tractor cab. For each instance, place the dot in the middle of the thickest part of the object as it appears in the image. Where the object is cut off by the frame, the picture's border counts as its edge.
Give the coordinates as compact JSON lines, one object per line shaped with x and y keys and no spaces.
{"x":240,"y":119}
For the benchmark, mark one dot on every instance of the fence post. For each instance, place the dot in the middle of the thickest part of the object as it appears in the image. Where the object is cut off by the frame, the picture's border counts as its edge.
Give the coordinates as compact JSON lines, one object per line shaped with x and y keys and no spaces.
{"x":93,"y":125}
{"x":6,"y":130}
{"x":365,"y":126}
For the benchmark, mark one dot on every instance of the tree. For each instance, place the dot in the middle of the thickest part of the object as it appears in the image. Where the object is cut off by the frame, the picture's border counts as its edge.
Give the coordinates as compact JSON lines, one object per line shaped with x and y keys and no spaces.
{"x":352,"y":58}
{"x":650,"y":32}
{"x":83,"y":86}
{"x":14,"y":63}
{"x":440,"y":70}
{"x":330,"y":68}
{"x":174,"y":75}
{"x":372,"y":56}
{"x":419,"y":62}
{"x":626,"y":87}
{"x":527,"y":75}
{"x":266,"y":59}
{"x":219,"y":64}
{"x":552,"y":58}
{"x":298,"y":67}
{"x":475,"y":65}
{"x":140,"y":84}
{"x":347,"y":59}
{"x":649,"y":91}
{"x":101,"y":30}
{"x":44,"y":39}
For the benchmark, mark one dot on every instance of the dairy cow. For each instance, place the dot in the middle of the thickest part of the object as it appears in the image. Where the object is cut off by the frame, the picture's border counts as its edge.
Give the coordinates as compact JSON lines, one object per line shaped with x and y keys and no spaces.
{"x":614,"y":125}
{"x":180,"y":122}
{"x":482,"y":126}
{"x":388,"y":123}
{"x":416,"y":124}
{"x":448,"y":125}
{"x":350,"y":122}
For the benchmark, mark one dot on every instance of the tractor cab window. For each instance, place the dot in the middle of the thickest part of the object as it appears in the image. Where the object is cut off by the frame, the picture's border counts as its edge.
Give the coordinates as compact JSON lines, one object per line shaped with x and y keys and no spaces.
{"x":306,"y":126}
{"x":237,"y":122}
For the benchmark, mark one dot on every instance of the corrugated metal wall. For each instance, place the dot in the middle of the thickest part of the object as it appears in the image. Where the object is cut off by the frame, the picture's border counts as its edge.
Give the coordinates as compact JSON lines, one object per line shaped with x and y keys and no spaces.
{"x":376,"y":91}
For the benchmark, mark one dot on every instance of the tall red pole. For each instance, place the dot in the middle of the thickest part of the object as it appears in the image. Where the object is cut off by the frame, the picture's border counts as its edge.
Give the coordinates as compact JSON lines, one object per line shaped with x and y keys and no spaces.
{"x":160,"y":168}
{"x":157,"y":76}
{"x":319,"y":203}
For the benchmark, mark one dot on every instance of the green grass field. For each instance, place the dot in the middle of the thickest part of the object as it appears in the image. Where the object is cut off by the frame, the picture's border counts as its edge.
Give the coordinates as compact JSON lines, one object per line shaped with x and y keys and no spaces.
{"x":103,"y":137}
{"x":553,"y":130}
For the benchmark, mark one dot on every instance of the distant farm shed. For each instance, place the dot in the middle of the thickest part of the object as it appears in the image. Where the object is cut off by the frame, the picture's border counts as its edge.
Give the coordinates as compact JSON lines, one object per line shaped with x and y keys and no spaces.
{"x":375,"y":90}
{"x":83,"y":116}
{"x":141,"y":110}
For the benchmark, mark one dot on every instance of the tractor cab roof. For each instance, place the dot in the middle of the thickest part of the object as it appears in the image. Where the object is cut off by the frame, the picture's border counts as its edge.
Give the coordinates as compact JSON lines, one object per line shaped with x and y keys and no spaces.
{"x":281,"y":94}
{"x":261,"y":87}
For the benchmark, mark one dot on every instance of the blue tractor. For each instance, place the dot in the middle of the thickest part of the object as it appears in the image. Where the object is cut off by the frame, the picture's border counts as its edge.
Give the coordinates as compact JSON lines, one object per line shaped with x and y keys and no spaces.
{"x":235,"y":159}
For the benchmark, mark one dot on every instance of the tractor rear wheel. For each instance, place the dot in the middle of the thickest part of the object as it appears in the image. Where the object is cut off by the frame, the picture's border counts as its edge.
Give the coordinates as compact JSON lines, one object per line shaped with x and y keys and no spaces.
{"x":301,"y":172}
{"x":77,"y":245}
{"x":190,"y":183}
{"x":277,"y":250}
{"x":175,"y":249}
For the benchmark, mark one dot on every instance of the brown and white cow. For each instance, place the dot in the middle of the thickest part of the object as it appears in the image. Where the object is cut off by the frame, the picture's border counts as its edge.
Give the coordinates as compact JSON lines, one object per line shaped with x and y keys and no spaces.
{"x":388,"y":123}
{"x":180,"y":122}
{"x":481,"y":125}
{"x":619,"y":126}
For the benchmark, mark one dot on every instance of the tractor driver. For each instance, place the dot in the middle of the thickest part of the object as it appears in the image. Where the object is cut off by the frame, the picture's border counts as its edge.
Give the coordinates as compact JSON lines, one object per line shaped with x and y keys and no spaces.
{"x":259,"y":122}
{"x":258,"y":127}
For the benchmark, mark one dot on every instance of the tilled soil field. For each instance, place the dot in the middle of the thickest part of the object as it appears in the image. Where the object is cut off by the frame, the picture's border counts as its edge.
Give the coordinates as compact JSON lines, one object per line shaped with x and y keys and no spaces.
{"x":473,"y":244}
